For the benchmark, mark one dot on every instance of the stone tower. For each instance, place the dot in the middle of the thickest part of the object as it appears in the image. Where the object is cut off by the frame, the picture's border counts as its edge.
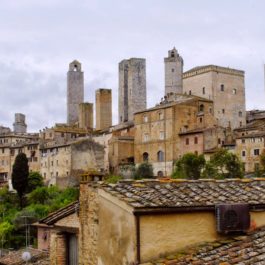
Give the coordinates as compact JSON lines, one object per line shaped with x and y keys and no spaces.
{"x":19,"y":125}
{"x":103,"y":109}
{"x":86,"y":120}
{"x":132,"y":88}
{"x":173,"y":72}
{"x":75,"y":91}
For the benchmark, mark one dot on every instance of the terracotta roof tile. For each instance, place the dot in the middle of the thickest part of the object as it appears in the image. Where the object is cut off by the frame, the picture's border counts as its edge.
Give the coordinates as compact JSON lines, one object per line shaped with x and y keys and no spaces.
{"x":155,"y":193}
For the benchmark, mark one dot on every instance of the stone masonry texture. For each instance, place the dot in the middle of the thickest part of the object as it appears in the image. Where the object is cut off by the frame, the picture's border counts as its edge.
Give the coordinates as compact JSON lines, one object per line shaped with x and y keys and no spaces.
{"x":132,"y":88}
{"x":75,"y":91}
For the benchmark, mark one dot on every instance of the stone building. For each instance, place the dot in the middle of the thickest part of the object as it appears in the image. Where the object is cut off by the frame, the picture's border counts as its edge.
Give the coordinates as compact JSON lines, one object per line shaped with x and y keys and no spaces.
{"x":173,"y":72}
{"x":121,"y":147}
{"x":148,"y":220}
{"x":132,"y":88}
{"x":11,"y":144}
{"x":160,"y":131}
{"x":103,"y":109}
{"x":62,"y":164}
{"x":225,"y":86}
{"x":19,"y":125}
{"x":86,"y":116}
{"x":58,"y":233}
{"x":75,"y":91}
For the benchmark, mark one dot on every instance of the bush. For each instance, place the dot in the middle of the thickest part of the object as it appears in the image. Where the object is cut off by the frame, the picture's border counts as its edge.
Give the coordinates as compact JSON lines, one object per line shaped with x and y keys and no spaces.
{"x":143,"y":171}
{"x":35,"y":180}
{"x":113,"y":179}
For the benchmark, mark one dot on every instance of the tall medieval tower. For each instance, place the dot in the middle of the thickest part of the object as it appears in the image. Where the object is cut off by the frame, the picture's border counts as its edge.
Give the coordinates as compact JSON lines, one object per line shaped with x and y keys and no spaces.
{"x":173,"y":72}
{"x":132,"y":88}
{"x":75,"y":91}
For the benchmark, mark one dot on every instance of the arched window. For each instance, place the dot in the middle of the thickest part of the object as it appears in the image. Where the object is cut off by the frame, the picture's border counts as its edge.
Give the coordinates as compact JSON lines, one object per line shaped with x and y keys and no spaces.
{"x":145,"y":157}
{"x":222,"y":87}
{"x":240,"y":113}
{"x":195,"y":140}
{"x":160,"y":174}
{"x":201,"y":108}
{"x":234,"y":91}
{"x":172,"y":54}
{"x":160,"y":156}
{"x":203,"y":90}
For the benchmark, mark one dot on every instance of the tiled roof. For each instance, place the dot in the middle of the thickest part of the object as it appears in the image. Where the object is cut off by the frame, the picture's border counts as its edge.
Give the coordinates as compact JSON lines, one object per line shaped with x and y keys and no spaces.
{"x":14,"y":257}
{"x":61,"y":213}
{"x":249,"y":249}
{"x":184,"y":193}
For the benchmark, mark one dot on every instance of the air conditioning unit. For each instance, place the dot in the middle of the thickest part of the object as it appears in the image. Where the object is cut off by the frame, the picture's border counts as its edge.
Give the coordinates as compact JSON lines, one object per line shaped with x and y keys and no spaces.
{"x":232,"y":217}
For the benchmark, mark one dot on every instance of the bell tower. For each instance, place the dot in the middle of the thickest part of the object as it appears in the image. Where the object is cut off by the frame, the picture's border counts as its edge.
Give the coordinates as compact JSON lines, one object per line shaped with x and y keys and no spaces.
{"x":173,"y":72}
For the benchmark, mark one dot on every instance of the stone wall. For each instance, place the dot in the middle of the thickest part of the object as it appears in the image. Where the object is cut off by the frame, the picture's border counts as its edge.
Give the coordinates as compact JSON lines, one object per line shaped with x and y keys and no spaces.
{"x":132,"y":88}
{"x":89,"y":224}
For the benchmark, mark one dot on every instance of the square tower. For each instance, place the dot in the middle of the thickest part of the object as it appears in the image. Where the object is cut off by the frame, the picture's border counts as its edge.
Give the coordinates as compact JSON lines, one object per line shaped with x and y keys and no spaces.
{"x":86,"y":120}
{"x":132,"y":88}
{"x":103,"y":108}
{"x":225,"y":86}
{"x":20,"y":125}
{"x":173,"y":72}
{"x":75,"y":91}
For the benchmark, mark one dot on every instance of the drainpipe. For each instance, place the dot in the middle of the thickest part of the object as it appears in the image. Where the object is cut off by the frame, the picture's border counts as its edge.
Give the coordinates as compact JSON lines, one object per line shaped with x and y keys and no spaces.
{"x":138,"y":239}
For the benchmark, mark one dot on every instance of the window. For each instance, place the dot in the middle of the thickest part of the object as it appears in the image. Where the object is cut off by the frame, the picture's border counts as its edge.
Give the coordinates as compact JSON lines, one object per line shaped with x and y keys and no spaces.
{"x":160,"y":156}
{"x":3,"y":150}
{"x":240,"y":124}
{"x":57,"y":162}
{"x":187,"y":141}
{"x":219,"y":141}
{"x":145,"y":118}
{"x":161,"y":116}
{"x":203,"y":90}
{"x":57,"y":174}
{"x":145,"y":157}
{"x":243,"y":153}
{"x":160,"y":174}
{"x":222,"y":87}
{"x":190,"y":92}
{"x":146,"y":137}
{"x":44,"y":175}
{"x":243,"y":141}
{"x":234,"y":91}
{"x":51,"y":163}
{"x":240,"y":113}
{"x":200,"y":119}
{"x":161,"y":135}
{"x":223,"y":111}
{"x":195,"y":140}
{"x":256,"y":152}
{"x":201,"y":108}
{"x":172,"y":70}
{"x":210,"y":110}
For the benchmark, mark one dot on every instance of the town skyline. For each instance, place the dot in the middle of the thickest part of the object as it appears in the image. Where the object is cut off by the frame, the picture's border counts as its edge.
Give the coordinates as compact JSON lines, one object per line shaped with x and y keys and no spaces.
{"x":36,"y":62}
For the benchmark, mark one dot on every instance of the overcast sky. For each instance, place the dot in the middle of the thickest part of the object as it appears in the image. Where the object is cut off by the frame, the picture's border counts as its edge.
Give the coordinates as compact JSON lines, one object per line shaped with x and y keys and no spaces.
{"x":38,"y":39}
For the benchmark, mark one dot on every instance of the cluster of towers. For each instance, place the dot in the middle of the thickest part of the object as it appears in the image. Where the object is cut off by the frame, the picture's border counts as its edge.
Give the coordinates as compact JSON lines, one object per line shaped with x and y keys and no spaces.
{"x":80,"y":112}
{"x":132,"y":91}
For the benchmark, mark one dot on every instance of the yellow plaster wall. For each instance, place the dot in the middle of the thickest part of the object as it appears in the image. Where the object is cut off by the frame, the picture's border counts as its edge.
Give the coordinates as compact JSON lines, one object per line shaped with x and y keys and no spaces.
{"x":116,"y":242}
{"x":165,"y":234}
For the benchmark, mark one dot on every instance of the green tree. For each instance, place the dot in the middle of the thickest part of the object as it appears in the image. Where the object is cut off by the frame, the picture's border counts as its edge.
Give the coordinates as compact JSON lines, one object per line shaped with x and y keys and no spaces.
{"x":223,"y":164}
{"x":35,"y":180}
{"x":144,"y":170}
{"x":189,"y":166}
{"x":20,"y":175}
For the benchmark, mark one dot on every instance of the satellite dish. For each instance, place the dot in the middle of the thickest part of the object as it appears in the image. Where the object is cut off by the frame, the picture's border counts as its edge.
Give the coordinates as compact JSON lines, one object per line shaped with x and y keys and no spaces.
{"x":26,"y":256}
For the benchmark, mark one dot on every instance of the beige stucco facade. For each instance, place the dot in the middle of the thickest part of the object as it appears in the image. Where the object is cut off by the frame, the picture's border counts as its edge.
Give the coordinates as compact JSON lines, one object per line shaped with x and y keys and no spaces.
{"x":225,"y":86}
{"x":158,"y":130}
{"x":112,"y":234}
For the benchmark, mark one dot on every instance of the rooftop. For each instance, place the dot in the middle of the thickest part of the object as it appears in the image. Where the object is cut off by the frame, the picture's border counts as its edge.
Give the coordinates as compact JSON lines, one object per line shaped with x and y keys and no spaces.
{"x":186,"y":194}
{"x":249,"y":249}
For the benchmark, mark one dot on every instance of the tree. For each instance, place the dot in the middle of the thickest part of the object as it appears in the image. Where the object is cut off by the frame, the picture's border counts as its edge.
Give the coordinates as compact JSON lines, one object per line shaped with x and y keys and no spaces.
{"x":262,"y":160}
{"x":35,"y":180}
{"x":144,"y":170}
{"x":20,"y":175}
{"x":223,"y":164}
{"x":189,"y":166}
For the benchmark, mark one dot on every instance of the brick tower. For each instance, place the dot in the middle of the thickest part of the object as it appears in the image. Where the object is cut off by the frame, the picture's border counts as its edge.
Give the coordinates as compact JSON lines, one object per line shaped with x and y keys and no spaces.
{"x":103,"y":109}
{"x":75,"y":91}
{"x":173,"y":72}
{"x":132,"y":88}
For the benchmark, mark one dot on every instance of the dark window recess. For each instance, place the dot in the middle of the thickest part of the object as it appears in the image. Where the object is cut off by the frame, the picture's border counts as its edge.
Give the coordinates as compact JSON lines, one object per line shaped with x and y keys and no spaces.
{"x":256,"y":152}
{"x":232,"y":218}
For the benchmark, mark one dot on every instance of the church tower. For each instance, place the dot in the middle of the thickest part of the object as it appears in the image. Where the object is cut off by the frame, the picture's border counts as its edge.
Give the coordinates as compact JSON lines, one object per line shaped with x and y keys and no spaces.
{"x":173,"y":72}
{"x":75,"y":91}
